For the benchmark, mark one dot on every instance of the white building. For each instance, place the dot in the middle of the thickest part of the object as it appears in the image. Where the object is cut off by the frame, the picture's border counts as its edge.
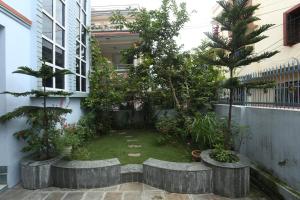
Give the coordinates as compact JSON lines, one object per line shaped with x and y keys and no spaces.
{"x":52,"y":30}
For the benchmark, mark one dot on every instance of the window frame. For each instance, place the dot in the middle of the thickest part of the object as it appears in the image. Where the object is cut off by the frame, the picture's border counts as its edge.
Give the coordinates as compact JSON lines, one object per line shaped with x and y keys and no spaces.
{"x":286,"y":14}
{"x":82,"y":24}
{"x":55,"y":44}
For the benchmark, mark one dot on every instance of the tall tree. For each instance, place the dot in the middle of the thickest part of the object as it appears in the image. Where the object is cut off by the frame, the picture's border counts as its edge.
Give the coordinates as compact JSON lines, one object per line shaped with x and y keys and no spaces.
{"x":106,"y":89}
{"x":157,"y":31}
{"x":236,"y":50}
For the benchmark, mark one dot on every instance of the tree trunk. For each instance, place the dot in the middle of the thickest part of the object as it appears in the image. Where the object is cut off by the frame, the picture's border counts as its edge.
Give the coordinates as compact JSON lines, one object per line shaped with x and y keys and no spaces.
{"x":227,"y":133}
{"x":177,"y":104}
{"x":45,"y":122}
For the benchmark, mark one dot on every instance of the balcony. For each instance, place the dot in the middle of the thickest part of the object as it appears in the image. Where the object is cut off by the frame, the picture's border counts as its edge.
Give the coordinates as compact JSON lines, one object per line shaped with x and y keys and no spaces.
{"x":123,"y":68}
{"x":107,"y":28}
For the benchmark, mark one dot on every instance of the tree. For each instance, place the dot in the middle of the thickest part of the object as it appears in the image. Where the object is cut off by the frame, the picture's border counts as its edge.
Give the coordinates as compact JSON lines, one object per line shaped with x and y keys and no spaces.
{"x":107,"y":89}
{"x":237,"y":49}
{"x":42,"y":119}
{"x":161,"y":59}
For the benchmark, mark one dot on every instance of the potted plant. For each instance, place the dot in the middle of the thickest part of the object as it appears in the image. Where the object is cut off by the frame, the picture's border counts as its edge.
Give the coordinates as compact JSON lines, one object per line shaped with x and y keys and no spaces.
{"x":42,"y":135}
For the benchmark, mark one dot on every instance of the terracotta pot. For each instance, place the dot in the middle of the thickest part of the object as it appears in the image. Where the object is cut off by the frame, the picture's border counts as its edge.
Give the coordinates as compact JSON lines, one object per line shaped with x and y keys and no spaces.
{"x":196,"y":155}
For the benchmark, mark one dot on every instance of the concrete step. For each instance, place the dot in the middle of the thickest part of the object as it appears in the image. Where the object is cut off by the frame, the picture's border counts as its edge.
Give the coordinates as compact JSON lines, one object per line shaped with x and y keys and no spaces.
{"x":3,"y":188}
{"x":132,"y":173}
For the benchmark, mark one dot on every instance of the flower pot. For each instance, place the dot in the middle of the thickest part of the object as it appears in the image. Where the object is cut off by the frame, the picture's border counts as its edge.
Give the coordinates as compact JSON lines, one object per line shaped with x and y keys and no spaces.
{"x":229,"y":179}
{"x":37,"y":174}
{"x":196,"y":155}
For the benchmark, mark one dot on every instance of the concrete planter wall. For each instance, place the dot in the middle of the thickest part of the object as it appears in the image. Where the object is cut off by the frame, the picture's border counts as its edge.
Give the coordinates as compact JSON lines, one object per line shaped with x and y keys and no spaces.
{"x":86,"y":174}
{"x":192,"y":178}
{"x":229,"y":179}
{"x":36,"y":174}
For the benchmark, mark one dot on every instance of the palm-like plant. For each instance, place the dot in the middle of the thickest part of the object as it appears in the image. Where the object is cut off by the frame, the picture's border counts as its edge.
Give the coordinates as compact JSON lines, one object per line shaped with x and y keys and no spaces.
{"x":43,"y":116}
{"x":237,"y":49}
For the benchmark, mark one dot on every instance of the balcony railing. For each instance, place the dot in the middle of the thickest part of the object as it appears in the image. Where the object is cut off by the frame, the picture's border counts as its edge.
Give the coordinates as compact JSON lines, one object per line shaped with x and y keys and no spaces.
{"x":107,"y":27}
{"x":123,"y":68}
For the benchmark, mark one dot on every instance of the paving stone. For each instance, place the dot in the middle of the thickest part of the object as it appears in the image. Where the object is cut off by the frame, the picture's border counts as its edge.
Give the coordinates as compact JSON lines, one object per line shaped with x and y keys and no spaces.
{"x":36,"y":196}
{"x":134,"y":146}
{"x":137,"y":187}
{"x":132,"y":140}
{"x":128,"y":136}
{"x":132,"y":196}
{"x":173,"y":196}
{"x":134,"y":154}
{"x":55,"y":196}
{"x":113,"y":196}
{"x":107,"y":189}
{"x":153,"y":195}
{"x":148,"y":187}
{"x":14,"y":194}
{"x":73,"y":196}
{"x":93,"y":196}
{"x":207,"y":197}
{"x":122,"y":133}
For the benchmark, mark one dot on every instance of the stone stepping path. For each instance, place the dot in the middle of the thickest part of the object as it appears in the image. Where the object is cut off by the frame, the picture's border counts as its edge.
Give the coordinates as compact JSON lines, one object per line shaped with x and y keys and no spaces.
{"x":122,"y":133}
{"x":128,"y":136}
{"x":134,"y":154}
{"x":132,"y":140}
{"x":135,"y":146}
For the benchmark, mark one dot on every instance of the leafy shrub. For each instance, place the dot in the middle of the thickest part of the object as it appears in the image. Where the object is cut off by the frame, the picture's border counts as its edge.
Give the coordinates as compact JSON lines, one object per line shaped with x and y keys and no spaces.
{"x":169,"y":129}
{"x":220,"y":154}
{"x":206,"y":130}
{"x":70,"y":136}
{"x":81,"y":153}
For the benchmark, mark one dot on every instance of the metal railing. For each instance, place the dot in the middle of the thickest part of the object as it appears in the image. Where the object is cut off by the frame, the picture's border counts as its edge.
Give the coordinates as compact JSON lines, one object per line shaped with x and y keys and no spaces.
{"x":122,"y":68}
{"x":107,"y":27}
{"x":284,"y":94}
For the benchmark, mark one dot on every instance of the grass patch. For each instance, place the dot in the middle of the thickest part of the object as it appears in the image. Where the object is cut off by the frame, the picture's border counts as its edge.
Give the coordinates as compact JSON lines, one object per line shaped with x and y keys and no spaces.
{"x":115,"y":145}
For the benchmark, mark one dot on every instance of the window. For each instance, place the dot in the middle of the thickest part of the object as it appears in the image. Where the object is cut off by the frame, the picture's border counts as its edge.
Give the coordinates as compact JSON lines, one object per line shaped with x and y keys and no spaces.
{"x":47,"y":27}
{"x":291,"y":24}
{"x":81,"y":72}
{"x":53,"y":42}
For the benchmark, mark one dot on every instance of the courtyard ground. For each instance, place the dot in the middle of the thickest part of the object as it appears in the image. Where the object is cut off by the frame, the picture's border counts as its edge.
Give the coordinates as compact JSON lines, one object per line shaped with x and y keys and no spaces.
{"x":134,"y":147}
{"x":127,"y":191}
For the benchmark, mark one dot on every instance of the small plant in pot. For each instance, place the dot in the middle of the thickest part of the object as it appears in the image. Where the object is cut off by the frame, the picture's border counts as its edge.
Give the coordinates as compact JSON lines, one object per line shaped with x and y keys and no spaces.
{"x":41,"y":136}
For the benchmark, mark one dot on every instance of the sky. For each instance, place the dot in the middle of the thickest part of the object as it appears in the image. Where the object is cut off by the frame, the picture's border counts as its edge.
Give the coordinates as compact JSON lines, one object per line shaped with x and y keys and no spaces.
{"x":192,"y":34}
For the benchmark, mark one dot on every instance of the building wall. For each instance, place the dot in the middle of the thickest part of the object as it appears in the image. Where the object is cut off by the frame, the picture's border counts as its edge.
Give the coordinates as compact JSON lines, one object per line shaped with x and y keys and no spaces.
{"x":273,"y":139}
{"x":22,"y":47}
{"x":272,"y":13}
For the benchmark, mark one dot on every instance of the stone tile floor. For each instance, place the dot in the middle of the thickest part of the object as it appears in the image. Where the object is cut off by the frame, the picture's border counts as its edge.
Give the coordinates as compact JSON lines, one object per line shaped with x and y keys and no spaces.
{"x":127,"y":191}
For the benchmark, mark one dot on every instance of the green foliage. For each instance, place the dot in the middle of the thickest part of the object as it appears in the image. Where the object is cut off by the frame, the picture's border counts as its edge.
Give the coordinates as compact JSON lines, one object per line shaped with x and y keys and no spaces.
{"x":161,"y":60}
{"x":172,"y":128}
{"x":70,"y":137}
{"x":107,"y":90}
{"x":80,"y":153}
{"x":206,"y":130}
{"x":42,"y":135}
{"x":220,"y":154}
{"x":237,"y":49}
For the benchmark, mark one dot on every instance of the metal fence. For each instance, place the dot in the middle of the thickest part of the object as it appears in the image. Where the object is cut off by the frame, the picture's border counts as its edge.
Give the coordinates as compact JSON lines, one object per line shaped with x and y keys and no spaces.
{"x":284,"y":94}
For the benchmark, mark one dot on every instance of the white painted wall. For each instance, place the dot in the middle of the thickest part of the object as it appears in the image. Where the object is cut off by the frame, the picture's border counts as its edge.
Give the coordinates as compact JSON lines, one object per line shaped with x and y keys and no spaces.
{"x":21,"y":46}
{"x":273,"y":141}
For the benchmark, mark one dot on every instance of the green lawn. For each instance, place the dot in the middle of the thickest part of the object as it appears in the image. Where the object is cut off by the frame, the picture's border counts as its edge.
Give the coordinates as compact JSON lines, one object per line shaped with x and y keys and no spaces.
{"x":115,"y":145}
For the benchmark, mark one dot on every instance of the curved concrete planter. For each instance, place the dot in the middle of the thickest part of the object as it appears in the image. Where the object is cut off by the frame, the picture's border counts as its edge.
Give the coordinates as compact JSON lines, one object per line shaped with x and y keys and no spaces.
{"x":229,"y":179}
{"x":86,"y":174}
{"x":37,"y":174}
{"x":192,"y":178}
